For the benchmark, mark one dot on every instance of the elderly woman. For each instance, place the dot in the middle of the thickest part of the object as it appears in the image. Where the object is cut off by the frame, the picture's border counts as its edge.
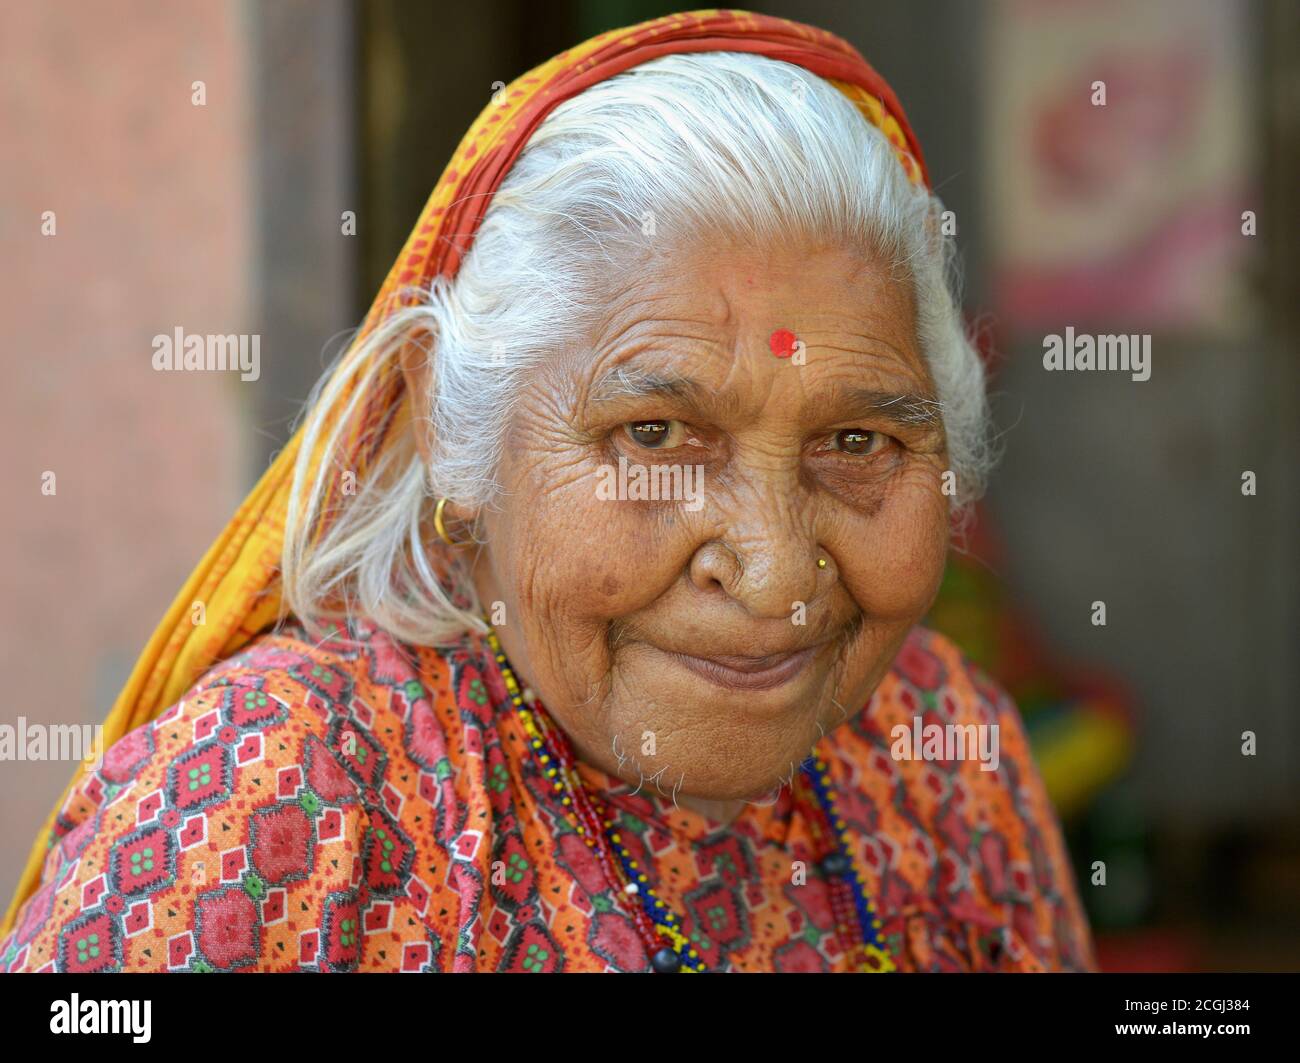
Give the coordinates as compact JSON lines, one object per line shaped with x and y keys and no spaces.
{"x":576,"y":629}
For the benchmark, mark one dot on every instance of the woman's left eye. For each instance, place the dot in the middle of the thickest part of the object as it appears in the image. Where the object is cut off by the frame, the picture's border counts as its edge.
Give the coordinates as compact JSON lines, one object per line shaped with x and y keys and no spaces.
{"x":859,"y":441}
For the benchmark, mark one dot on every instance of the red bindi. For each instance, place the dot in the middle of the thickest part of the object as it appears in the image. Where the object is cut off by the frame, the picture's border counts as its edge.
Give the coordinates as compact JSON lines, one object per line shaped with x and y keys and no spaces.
{"x":782,"y":342}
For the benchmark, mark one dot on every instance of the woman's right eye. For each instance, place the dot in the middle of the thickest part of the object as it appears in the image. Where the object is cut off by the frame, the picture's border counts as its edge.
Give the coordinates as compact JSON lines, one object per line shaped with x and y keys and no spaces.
{"x":656,"y":435}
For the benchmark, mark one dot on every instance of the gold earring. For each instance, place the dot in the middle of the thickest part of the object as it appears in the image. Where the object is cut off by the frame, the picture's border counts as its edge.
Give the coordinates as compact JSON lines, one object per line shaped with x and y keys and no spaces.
{"x":441,"y":528}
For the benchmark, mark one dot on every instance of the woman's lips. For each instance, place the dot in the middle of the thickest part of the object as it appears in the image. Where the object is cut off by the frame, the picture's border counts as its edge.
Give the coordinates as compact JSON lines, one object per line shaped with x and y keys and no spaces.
{"x":749,"y":673}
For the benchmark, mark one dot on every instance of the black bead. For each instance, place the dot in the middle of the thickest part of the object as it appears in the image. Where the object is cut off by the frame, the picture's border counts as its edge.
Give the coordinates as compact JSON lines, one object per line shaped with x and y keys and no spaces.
{"x":666,"y":961}
{"x":833,"y":865}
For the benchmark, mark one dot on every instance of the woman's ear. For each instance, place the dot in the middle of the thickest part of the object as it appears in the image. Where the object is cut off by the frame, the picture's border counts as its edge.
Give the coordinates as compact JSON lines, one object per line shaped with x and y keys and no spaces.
{"x":416,"y":361}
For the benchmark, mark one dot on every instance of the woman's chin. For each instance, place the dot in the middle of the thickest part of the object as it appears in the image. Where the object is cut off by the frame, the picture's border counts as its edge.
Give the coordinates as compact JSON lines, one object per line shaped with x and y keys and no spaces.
{"x":722,"y":763}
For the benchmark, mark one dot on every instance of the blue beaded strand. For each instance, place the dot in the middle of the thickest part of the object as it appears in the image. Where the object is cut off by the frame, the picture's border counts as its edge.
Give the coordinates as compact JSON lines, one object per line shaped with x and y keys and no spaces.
{"x":866,"y":914}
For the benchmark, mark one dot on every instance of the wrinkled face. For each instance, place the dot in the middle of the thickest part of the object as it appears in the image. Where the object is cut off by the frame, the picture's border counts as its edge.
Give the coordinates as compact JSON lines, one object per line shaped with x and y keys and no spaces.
{"x":736,"y":415}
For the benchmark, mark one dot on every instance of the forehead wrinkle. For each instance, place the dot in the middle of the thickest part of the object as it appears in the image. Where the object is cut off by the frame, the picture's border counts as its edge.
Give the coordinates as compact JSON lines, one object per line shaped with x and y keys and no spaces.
{"x":611,"y":352}
{"x":644,"y":328}
{"x":850,"y":341}
{"x":645,"y":296}
{"x":643,"y":319}
{"x":899,"y":374}
{"x":664,"y":337}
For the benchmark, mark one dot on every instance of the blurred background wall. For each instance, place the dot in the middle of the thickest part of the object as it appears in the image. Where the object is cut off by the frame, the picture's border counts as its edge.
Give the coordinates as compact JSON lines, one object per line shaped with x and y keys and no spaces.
{"x":229,"y":216}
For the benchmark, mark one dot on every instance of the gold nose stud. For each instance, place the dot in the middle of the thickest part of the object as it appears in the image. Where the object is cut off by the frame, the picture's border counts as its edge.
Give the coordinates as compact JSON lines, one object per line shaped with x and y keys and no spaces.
{"x":821,"y":562}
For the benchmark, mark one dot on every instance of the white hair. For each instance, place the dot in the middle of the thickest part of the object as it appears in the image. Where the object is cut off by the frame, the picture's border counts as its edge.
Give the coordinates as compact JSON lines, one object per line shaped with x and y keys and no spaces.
{"x":716,"y":142}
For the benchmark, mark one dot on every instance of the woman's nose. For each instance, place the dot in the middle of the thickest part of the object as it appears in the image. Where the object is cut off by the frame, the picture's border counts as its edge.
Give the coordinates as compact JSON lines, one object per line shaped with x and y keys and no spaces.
{"x":766,"y":562}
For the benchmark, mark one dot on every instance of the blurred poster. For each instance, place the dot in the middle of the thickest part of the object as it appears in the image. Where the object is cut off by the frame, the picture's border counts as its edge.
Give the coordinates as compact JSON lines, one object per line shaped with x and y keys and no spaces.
{"x":1120,"y":162}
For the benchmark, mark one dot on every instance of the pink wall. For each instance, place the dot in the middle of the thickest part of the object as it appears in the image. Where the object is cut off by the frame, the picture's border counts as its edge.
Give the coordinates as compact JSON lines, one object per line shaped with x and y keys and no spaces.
{"x":154,"y":216}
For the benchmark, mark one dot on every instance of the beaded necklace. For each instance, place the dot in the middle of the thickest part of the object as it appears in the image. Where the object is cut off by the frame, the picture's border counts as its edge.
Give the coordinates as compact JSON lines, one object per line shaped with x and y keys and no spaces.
{"x":659,"y":928}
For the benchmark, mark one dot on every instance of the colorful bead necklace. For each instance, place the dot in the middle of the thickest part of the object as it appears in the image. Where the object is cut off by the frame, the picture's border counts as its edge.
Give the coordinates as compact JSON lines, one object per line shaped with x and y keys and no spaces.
{"x":656,"y":924}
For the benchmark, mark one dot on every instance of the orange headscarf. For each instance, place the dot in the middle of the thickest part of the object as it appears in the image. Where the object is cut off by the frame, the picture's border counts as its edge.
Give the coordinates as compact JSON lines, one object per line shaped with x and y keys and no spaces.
{"x":237,"y":580}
